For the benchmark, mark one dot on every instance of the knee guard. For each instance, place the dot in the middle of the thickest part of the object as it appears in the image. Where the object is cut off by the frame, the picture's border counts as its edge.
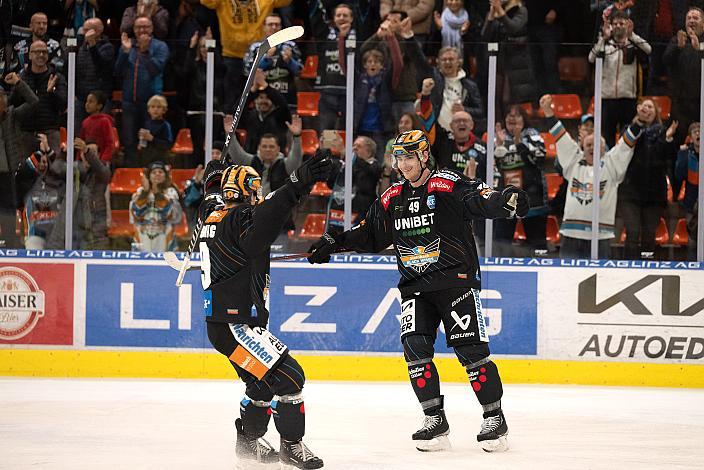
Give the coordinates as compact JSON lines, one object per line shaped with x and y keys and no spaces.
{"x":483,"y":375}
{"x":288,"y":378}
{"x":289,"y":416}
{"x":418,"y":352}
{"x":255,"y":416}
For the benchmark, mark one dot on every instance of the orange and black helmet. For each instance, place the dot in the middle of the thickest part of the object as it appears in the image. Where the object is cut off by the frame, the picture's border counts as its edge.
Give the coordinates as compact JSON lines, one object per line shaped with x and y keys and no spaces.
{"x":414,"y":141}
{"x":239,"y":182}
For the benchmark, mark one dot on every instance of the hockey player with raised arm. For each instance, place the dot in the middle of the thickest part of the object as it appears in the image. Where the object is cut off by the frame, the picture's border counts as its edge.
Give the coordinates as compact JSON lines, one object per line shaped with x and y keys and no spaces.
{"x":235,"y":244}
{"x":428,"y":217}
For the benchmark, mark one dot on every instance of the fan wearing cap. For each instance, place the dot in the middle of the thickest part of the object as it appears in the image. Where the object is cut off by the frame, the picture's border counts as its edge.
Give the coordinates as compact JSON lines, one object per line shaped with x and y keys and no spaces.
{"x":155,"y":210}
{"x":428,"y":219}
{"x":234,"y":244}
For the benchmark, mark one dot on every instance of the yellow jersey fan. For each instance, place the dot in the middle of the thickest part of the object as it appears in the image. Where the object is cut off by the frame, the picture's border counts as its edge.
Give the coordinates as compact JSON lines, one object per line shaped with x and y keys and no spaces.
{"x":240,"y":183}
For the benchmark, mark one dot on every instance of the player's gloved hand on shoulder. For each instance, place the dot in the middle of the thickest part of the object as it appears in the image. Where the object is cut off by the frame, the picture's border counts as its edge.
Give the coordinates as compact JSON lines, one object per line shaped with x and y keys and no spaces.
{"x":516,"y":201}
{"x":213,"y":175}
{"x":321,"y":250}
{"x":316,"y":169}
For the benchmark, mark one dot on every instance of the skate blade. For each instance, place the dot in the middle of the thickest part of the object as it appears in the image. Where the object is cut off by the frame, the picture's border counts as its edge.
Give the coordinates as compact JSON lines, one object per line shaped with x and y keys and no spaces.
{"x":286,"y":466}
{"x":436,"y":444}
{"x":495,"y":445}
{"x":245,"y":464}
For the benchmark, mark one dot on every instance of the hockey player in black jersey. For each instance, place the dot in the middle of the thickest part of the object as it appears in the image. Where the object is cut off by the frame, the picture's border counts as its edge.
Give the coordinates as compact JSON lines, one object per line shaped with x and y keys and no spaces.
{"x":235,"y":243}
{"x":427,"y":218}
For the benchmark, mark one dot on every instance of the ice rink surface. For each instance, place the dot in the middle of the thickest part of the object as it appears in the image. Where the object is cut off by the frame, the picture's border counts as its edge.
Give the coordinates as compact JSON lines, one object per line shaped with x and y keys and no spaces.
{"x":183,"y":424}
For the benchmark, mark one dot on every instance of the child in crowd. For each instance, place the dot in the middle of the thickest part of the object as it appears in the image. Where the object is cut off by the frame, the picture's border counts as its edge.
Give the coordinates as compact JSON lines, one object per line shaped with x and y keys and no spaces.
{"x":97,"y":127}
{"x":156,"y":137}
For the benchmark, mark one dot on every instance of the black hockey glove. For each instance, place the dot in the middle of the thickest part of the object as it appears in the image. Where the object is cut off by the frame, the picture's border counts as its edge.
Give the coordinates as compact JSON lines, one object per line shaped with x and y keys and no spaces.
{"x":517,"y":206}
{"x":321,"y":250}
{"x":315,"y":169}
{"x":213,"y":175}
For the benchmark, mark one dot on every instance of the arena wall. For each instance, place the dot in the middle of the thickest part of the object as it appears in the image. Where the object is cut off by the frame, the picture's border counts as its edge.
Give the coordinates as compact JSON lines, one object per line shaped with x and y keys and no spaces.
{"x":119,"y":314}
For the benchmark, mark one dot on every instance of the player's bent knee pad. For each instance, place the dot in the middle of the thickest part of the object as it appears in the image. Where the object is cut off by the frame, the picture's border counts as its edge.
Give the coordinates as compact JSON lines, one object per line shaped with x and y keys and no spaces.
{"x":471,"y":353}
{"x":288,"y":378}
{"x":418,"y":347}
{"x":255,"y":416}
{"x":289,"y":416}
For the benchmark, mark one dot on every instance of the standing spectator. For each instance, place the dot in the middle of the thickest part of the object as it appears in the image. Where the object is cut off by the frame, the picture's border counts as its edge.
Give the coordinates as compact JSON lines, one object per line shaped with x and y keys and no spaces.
{"x":151,"y":9}
{"x":194,"y":73}
{"x":240,"y":25}
{"x":578,"y":170}
{"x":687,"y":171}
{"x":50,"y":87}
{"x":372,"y":107}
{"x":94,"y":63}
{"x":156,"y":137}
{"x":90,"y":215}
{"x":77,"y":13}
{"x":683,"y":58}
{"x":507,"y":23}
{"x":419,"y":11}
{"x":330,"y":43}
{"x":520,"y":156}
{"x":544,"y":36}
{"x":623,"y":51}
{"x":10,"y":153}
{"x":395,"y":32}
{"x":642,"y":196}
{"x":366,"y":172}
{"x":140,"y":64}
{"x":268,"y":116}
{"x":281,"y":64}
{"x":38,"y":26}
{"x":155,"y":210}
{"x":97,"y":127}
{"x":452,"y":24}
{"x":451,"y":89}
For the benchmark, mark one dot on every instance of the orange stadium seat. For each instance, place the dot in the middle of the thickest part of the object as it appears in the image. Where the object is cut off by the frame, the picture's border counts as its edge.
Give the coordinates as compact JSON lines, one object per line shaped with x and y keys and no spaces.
{"x":62,"y":136}
{"x":520,"y":233}
{"x":308,"y":103}
{"x":565,"y":107}
{"x":553,"y":182}
{"x":180,"y":176}
{"x":550,"y":144}
{"x":241,"y":135}
{"x":120,"y":226}
{"x":662,"y":236}
{"x":573,"y":69}
{"x":310,"y":67}
{"x":527,"y":107}
{"x":681,"y":236}
{"x":314,"y":226}
{"x":552,"y":230}
{"x":115,"y":139}
{"x":663,"y":103}
{"x":126,"y":180}
{"x":309,"y":141}
{"x":320,"y":189}
{"x":184,"y":143}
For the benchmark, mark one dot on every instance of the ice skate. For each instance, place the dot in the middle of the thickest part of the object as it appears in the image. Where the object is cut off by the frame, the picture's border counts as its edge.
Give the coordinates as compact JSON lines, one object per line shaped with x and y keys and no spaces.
{"x":296,"y":455}
{"x":253,"y":453}
{"x":493,"y":435}
{"x":432,"y":436}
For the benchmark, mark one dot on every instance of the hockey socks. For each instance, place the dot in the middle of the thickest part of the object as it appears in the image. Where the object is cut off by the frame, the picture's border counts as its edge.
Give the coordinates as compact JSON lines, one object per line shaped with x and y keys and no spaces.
{"x":486,"y":383}
{"x":255,"y":416}
{"x":426,"y":384}
{"x":289,"y":416}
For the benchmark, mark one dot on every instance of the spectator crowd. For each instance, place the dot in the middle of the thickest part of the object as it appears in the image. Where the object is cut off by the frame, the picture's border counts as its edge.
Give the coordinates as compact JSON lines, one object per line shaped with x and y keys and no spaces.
{"x":140,"y":98}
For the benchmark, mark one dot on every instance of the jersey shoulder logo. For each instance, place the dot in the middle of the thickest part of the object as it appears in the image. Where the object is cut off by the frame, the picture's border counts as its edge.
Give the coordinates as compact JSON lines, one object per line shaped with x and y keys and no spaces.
{"x":215,"y":217}
{"x":393,"y":191}
{"x":419,"y":257}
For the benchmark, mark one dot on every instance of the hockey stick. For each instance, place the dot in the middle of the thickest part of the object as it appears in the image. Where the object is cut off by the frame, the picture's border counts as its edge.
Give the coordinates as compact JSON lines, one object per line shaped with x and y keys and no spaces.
{"x":288,"y":34}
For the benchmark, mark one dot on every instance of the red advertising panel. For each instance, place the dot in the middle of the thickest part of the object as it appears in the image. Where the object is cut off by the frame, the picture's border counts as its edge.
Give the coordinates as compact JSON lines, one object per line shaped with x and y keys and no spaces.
{"x":36,"y":303}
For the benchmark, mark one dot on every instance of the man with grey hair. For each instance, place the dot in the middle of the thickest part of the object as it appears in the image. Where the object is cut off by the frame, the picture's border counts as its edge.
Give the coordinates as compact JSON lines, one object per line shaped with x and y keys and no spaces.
{"x":366,"y":173}
{"x":10,"y":153}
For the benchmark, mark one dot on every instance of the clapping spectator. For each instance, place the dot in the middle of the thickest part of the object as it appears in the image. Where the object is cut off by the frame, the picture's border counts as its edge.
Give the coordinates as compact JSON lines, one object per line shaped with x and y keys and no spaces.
{"x":268,"y":115}
{"x":94,"y":62}
{"x":97,"y":127}
{"x":578,"y":170}
{"x":156,"y":137}
{"x":38,"y":26}
{"x":419,"y":11}
{"x":687,"y":171}
{"x":77,"y":13}
{"x":151,"y":9}
{"x":281,"y":64}
{"x":642,"y":196}
{"x":623,"y":51}
{"x":11,"y":152}
{"x":520,"y":156}
{"x":50,"y":87}
{"x":140,"y":65}
{"x":155,"y":210}
{"x":452,"y":24}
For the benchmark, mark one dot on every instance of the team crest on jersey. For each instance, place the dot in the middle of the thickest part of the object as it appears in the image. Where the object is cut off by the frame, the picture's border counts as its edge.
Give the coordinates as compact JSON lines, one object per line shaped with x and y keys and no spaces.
{"x":420,"y":257}
{"x":583,"y":191}
{"x":431,"y":201}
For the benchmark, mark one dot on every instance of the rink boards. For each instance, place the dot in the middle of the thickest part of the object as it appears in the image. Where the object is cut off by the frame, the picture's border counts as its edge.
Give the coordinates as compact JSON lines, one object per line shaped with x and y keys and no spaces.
{"x":119,"y":314}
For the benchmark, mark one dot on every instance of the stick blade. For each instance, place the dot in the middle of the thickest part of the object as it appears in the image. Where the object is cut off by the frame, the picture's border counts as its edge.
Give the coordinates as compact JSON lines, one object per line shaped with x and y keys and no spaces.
{"x":287,"y":34}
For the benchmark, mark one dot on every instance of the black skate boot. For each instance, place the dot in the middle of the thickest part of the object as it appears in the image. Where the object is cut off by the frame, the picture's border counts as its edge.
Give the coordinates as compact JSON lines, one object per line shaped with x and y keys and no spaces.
{"x":492,"y":436}
{"x":254,"y":453}
{"x":432,"y":436}
{"x":296,"y":455}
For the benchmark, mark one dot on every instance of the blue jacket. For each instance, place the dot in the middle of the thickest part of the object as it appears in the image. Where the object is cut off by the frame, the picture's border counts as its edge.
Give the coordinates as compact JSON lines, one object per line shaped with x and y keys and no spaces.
{"x":142,"y":72}
{"x":687,"y":170}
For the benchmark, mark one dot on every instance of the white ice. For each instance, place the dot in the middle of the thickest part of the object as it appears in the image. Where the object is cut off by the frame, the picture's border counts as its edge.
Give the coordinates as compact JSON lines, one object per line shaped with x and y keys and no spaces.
{"x":183,"y":424}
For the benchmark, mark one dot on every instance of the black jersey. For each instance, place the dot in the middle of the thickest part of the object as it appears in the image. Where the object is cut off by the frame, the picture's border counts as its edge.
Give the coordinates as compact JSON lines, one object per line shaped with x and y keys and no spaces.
{"x":430,"y":228}
{"x":235,"y":247}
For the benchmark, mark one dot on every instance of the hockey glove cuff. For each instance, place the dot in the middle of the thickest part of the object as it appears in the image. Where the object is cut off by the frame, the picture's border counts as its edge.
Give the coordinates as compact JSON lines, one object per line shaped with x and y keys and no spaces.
{"x":516,"y":201}
{"x":321,"y":250}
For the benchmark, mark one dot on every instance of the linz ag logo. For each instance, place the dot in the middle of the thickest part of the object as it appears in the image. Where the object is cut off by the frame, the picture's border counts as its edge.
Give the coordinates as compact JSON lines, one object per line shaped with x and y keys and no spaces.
{"x":21,"y":303}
